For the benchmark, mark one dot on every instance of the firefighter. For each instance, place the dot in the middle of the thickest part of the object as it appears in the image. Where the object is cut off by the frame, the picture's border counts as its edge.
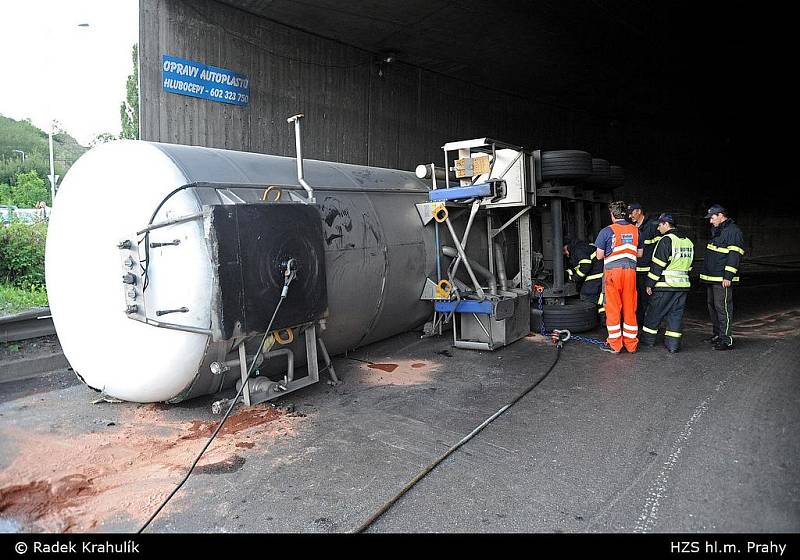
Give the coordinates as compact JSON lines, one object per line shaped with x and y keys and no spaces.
{"x":585,"y":269}
{"x":720,"y":272}
{"x":648,"y":233}
{"x":668,"y":285}
{"x":618,"y":246}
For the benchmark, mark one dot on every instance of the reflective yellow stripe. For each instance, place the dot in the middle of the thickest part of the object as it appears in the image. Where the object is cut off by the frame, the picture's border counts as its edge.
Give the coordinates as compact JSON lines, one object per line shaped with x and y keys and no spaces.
{"x":735,"y":248}
{"x":718,"y":249}
{"x":716,"y":278}
{"x":673,"y":334}
{"x":594,"y":276}
{"x":731,"y":269}
{"x":585,"y":261}
{"x":651,"y":331}
{"x":593,"y":255}
{"x":659,"y":262}
{"x":642,"y":269}
{"x":654,"y":240}
{"x":601,"y":310}
{"x":652,"y":276}
{"x":569,"y":273}
{"x":579,"y":273}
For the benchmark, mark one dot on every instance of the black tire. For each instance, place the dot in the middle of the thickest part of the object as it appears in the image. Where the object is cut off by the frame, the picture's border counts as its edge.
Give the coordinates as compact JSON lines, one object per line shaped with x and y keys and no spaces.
{"x":566,"y":164}
{"x":575,"y":315}
{"x":616,"y":176}
{"x":601,"y":172}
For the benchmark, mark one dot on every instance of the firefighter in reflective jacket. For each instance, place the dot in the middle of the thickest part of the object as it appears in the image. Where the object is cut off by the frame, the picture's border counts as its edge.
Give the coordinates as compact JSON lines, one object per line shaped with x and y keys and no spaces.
{"x":648,"y":233}
{"x":720,"y":273}
{"x":618,"y":245}
{"x":585,"y":269}
{"x":668,"y":285}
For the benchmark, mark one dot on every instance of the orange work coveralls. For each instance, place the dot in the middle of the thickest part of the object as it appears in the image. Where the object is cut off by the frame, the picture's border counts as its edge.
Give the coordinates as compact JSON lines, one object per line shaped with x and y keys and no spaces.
{"x":619,"y":287}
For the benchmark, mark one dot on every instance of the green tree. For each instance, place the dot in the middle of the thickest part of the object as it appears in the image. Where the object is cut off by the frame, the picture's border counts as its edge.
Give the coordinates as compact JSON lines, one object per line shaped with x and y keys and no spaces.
{"x":129,"y":109}
{"x":27,"y":189}
{"x":22,"y":135}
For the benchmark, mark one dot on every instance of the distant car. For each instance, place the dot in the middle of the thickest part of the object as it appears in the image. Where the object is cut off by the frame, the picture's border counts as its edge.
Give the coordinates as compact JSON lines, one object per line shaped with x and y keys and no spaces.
{"x":7,"y":213}
{"x":28,"y":215}
{"x":24,"y":215}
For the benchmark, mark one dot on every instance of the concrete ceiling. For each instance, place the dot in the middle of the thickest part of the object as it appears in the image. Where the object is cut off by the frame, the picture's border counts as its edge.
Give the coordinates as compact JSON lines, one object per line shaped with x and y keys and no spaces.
{"x":670,"y":63}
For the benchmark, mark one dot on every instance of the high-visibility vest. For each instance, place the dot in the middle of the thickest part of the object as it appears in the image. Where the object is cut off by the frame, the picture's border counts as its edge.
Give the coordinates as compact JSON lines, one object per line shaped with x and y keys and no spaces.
{"x":624,"y":246}
{"x":676,"y":273}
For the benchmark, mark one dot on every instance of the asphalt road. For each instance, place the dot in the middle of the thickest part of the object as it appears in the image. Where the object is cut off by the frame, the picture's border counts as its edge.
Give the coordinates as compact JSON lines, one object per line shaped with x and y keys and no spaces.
{"x":701,"y":441}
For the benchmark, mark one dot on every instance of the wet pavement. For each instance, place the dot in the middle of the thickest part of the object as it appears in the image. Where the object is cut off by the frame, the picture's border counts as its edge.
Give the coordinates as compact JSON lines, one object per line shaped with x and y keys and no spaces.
{"x":701,"y":441}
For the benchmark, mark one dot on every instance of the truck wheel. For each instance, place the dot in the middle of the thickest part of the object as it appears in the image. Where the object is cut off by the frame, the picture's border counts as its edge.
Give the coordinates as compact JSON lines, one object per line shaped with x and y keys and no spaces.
{"x":566,"y":164}
{"x":575,"y":315}
{"x":601,"y":172}
{"x":616,"y":176}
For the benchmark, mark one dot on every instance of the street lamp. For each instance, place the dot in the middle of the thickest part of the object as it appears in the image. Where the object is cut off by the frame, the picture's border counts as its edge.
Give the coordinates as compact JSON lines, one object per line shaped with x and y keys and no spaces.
{"x":23,"y":154}
{"x":52,"y":177}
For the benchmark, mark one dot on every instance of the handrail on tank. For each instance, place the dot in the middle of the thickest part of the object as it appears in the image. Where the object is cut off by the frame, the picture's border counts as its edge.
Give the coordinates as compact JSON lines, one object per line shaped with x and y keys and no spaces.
{"x":299,"y":148}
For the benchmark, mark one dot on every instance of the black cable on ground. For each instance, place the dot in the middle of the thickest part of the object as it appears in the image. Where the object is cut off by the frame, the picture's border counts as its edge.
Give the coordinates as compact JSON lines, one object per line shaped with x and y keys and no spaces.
{"x":374,"y":517}
{"x":227,"y":414}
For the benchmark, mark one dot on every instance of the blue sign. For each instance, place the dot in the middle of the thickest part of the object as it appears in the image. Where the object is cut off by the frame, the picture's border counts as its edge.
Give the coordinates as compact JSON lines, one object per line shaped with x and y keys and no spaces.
{"x":186,"y":77}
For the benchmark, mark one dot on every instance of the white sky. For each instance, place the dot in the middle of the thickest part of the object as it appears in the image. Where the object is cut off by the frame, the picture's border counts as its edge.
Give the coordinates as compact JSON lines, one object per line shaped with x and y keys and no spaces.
{"x":52,"y":69}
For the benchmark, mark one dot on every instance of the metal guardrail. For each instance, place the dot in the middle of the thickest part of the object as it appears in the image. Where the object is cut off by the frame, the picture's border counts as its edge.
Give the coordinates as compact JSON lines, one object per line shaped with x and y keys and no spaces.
{"x":28,"y":324}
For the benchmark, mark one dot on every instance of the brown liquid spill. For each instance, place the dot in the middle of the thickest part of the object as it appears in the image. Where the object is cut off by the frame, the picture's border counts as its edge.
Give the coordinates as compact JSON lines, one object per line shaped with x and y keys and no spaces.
{"x":235,"y":424}
{"x":538,"y":338}
{"x":404,"y":372}
{"x":384,"y":367}
{"x":227,"y":465}
{"x":69,"y":482}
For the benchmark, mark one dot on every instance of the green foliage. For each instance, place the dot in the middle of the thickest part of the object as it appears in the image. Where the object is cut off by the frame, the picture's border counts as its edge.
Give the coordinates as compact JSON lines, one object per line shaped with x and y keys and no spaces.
{"x":129,"y":109}
{"x":28,"y":189}
{"x":22,"y":254}
{"x":102,"y":138}
{"x":22,"y":135}
{"x":14,"y":299}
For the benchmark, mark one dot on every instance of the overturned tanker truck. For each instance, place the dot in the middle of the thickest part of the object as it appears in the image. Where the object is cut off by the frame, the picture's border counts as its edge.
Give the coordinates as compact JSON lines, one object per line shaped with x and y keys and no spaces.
{"x":164,"y":263}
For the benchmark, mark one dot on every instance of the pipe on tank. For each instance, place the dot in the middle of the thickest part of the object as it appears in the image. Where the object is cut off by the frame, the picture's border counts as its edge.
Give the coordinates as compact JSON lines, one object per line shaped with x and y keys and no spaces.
{"x":218,"y":368}
{"x":477,"y":267}
{"x":299,"y":149}
{"x":423,"y":171}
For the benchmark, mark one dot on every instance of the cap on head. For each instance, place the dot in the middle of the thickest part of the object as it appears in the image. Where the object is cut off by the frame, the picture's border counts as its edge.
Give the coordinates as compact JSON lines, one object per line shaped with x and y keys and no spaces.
{"x":666,"y":217}
{"x":634,"y":206}
{"x":716,"y":209}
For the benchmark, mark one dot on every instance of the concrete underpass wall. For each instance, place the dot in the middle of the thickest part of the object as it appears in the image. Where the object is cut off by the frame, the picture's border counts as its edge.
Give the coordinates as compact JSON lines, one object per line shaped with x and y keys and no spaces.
{"x":403,"y":117}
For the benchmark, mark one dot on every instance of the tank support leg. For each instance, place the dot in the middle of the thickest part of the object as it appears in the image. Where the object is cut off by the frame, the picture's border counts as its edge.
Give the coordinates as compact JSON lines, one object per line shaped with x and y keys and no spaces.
{"x":328,"y":364}
{"x":243,"y":367}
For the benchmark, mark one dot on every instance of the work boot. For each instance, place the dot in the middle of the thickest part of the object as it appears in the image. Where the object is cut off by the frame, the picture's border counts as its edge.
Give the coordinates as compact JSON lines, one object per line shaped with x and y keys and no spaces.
{"x":713,"y":339}
{"x":722,"y":346}
{"x":607,"y":348}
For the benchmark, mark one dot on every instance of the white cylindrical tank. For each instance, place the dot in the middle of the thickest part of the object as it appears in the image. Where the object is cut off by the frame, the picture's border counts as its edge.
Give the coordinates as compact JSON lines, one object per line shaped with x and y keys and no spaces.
{"x":377,"y":258}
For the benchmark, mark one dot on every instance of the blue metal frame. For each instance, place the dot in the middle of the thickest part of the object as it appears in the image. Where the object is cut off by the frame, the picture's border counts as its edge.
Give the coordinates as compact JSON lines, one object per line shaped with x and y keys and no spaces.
{"x":480,"y":190}
{"x":465,"y":306}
